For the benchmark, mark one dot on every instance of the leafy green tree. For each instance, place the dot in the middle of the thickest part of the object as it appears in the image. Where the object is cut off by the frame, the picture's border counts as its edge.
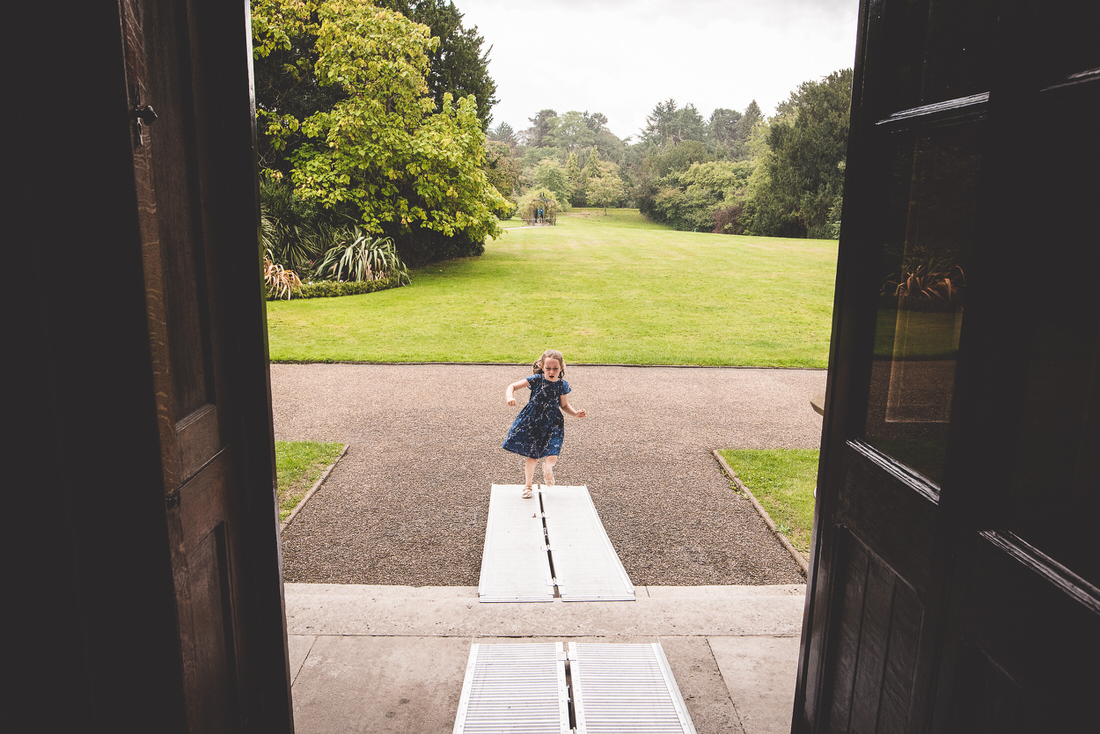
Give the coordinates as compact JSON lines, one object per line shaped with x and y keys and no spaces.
{"x":604,"y":190}
{"x":572,"y":131}
{"x":405,"y":172}
{"x":500,"y":167}
{"x":800,"y":176}
{"x":722,"y":130}
{"x":284,"y":33}
{"x":551,"y":176}
{"x":576,"y":182}
{"x":504,"y":133}
{"x":457,"y":65}
{"x":739,"y":146}
{"x":668,"y":125}
{"x":679,"y":157}
{"x":596,"y":122}
{"x":748,"y":120}
{"x":537,"y":135}
{"x":659,"y":124}
{"x":592,"y":165}
{"x":689,"y":200}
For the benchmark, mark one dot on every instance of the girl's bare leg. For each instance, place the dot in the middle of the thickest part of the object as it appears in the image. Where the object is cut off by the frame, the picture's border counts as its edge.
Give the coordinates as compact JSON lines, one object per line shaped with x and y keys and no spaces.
{"x":548,"y":469}
{"x":528,"y":475}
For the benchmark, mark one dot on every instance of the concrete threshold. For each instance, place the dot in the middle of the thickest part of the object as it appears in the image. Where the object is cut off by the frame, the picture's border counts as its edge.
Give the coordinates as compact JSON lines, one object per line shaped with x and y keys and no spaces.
{"x":392,"y":658}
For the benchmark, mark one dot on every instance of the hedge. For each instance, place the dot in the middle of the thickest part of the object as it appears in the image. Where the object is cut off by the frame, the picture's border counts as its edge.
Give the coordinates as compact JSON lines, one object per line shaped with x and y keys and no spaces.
{"x":332,"y":288}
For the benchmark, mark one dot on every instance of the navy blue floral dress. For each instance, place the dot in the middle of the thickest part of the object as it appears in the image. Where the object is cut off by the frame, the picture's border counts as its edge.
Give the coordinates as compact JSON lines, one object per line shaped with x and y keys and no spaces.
{"x":539,"y":429}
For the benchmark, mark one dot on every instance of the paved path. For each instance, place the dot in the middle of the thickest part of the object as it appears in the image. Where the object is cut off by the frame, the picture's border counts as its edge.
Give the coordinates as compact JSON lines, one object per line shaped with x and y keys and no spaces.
{"x":408,"y":503}
{"x":376,"y":659}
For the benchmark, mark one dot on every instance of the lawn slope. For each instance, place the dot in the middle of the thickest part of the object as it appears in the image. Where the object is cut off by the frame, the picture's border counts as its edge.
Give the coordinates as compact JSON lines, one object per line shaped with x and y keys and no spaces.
{"x":603,"y":289}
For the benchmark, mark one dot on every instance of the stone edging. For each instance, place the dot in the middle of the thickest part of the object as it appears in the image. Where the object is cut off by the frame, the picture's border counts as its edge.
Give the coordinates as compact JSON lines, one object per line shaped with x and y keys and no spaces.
{"x":316,"y":485}
{"x":795,"y":553}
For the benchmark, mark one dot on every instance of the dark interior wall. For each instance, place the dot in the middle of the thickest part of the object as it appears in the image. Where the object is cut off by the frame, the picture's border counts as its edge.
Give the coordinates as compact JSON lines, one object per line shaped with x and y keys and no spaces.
{"x":89,"y":585}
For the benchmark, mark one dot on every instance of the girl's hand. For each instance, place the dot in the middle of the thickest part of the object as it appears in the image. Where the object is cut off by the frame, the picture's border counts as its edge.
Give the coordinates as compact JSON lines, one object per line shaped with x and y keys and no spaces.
{"x":509,"y":393}
{"x":582,"y":413}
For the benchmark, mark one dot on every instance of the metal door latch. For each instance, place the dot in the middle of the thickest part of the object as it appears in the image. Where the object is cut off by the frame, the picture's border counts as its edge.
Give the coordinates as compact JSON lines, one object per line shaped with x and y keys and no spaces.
{"x":142,"y":117}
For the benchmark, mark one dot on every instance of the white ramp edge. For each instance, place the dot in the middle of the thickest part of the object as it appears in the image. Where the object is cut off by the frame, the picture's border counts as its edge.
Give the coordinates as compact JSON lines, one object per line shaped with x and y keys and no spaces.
{"x":514,"y":688}
{"x":625,"y":688}
{"x":514,"y":563}
{"x":586,"y":566}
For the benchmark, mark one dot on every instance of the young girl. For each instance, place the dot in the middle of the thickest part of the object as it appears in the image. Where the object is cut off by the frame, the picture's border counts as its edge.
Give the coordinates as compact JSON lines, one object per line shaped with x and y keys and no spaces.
{"x":539,"y":429}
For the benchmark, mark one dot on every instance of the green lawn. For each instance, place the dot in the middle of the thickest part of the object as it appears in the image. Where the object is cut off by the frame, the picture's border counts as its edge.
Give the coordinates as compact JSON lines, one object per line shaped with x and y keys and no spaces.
{"x":783,"y":481}
{"x":298,"y":464}
{"x":603,"y":289}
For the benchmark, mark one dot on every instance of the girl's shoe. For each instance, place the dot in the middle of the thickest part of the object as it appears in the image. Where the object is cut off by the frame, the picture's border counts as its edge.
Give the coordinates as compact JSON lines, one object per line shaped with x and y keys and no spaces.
{"x":527,"y":492}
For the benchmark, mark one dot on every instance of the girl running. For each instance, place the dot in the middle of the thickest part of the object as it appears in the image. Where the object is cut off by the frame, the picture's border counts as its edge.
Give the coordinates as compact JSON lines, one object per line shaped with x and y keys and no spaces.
{"x":539,"y":429}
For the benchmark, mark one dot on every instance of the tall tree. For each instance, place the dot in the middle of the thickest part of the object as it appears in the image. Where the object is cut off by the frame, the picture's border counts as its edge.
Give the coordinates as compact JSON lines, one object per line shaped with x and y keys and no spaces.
{"x":668,"y":125}
{"x":801,"y":176}
{"x":659,"y":124}
{"x":592,"y":165}
{"x":284,"y":34}
{"x":679,"y":157}
{"x":572,"y":132}
{"x":576,"y":182}
{"x":604,"y":190}
{"x":457,"y":65}
{"x":550,"y":175}
{"x":739,"y":147}
{"x":503,"y":133}
{"x":596,"y":122}
{"x":722,"y":130}
{"x":407,"y":171}
{"x":541,"y":124}
{"x":501,"y":167}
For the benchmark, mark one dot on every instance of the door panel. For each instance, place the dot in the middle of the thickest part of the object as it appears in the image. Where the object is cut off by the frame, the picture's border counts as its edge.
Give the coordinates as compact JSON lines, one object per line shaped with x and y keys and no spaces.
{"x":879,"y":626}
{"x":201,"y":467}
{"x":213,"y":706}
{"x":954,"y":585}
{"x":877,"y":490}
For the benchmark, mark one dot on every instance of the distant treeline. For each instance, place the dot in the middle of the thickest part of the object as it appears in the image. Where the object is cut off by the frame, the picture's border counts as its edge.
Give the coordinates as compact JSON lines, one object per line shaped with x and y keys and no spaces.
{"x":734,"y":173}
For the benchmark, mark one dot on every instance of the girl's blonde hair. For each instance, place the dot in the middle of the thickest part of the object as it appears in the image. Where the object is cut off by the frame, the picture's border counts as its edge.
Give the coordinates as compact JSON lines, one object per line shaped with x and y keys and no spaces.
{"x":550,"y":354}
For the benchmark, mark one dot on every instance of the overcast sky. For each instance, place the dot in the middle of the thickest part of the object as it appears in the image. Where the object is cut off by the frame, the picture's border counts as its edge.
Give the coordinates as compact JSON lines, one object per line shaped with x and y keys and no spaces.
{"x":622,"y":57}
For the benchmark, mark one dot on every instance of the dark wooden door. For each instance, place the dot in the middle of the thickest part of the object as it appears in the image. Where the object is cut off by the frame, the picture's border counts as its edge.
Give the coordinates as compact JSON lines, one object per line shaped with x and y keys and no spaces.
{"x":173,"y":82}
{"x":144,"y":575}
{"x":953,"y":587}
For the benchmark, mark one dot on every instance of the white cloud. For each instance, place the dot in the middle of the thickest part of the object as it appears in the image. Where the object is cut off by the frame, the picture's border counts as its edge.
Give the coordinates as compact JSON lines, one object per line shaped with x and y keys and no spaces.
{"x":622,"y":57}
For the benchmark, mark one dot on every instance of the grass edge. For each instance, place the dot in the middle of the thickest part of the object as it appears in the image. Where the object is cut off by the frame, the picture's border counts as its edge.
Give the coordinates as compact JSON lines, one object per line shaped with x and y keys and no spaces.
{"x":312,"y":490}
{"x":801,"y":560}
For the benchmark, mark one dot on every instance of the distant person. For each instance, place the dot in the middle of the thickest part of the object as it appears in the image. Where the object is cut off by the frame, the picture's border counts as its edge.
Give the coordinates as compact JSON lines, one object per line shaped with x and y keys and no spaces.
{"x":539,"y":429}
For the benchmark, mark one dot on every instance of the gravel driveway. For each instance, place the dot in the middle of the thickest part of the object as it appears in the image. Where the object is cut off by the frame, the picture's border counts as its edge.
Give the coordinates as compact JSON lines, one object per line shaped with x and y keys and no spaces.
{"x":408,"y":503}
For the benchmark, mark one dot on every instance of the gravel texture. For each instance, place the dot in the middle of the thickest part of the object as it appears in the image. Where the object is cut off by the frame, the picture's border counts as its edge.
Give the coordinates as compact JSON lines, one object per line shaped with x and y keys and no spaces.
{"x":408,"y":503}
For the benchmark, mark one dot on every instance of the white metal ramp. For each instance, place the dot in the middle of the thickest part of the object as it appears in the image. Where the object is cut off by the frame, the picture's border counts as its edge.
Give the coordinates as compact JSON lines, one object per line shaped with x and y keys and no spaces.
{"x":514,"y":688}
{"x":586,"y":566}
{"x":514,"y":563}
{"x":554,"y":540}
{"x":626,"y":688}
{"x":597,"y":688}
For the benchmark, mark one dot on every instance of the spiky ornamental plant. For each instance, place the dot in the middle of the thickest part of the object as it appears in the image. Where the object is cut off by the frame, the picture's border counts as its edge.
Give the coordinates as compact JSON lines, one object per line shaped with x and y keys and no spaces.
{"x":359,"y":256}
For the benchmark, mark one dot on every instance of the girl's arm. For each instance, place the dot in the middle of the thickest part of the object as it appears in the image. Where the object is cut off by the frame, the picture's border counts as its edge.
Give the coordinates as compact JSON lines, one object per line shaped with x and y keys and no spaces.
{"x":569,"y":408}
{"x":508,"y":396}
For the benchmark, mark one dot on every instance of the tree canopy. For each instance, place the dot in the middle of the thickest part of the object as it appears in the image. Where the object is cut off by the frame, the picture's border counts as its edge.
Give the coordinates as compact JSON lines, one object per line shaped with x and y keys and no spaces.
{"x":377,"y":147}
{"x":733,"y":172}
{"x":457,"y":65}
{"x":800,"y":179}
